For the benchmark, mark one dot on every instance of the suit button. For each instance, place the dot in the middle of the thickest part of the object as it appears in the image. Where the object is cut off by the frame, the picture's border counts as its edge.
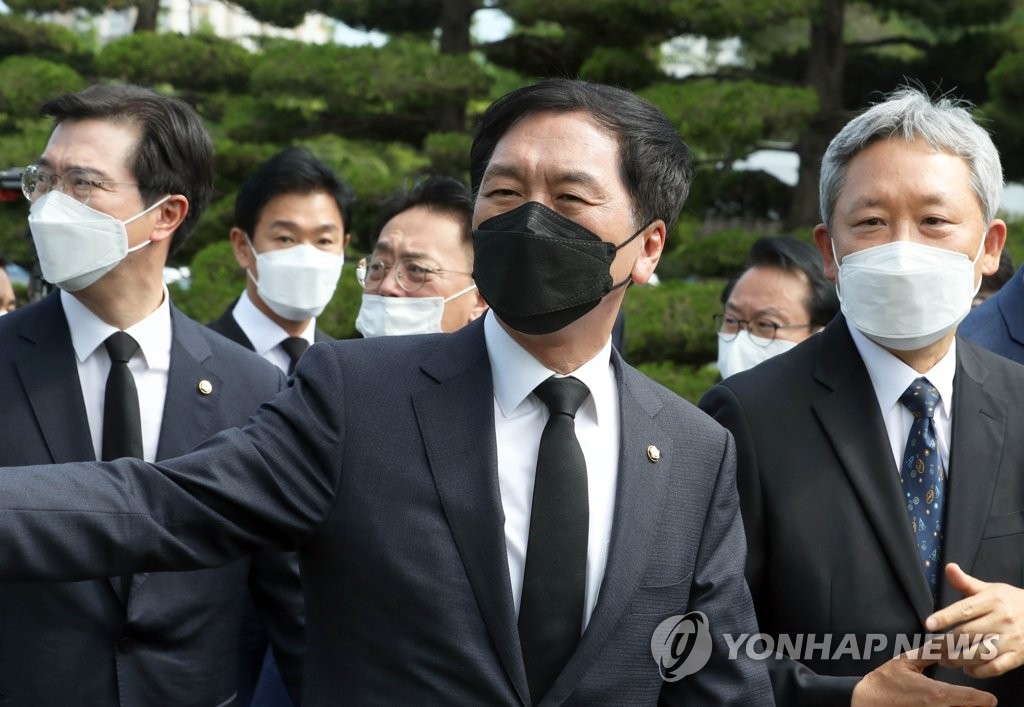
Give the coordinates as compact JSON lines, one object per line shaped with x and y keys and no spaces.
{"x":125,"y":644}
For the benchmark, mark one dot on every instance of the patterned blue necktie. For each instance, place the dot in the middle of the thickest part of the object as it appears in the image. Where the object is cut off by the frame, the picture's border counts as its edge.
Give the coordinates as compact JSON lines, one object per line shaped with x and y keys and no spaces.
{"x":924,"y":478}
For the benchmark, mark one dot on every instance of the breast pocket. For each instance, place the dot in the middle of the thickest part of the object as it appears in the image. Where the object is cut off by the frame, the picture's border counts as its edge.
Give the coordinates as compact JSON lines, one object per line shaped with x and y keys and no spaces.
{"x":1004,"y":524}
{"x":661,"y":599}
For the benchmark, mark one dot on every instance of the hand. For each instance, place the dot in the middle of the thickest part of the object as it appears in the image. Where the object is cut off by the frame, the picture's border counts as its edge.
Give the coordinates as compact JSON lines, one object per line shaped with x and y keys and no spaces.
{"x":900,"y":683}
{"x":987,"y":609}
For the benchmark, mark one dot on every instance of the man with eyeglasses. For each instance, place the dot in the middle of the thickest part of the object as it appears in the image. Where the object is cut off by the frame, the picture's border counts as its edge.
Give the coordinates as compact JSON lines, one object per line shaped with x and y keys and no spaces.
{"x":780,"y":299}
{"x":105,"y":368}
{"x":505,"y":515}
{"x":419,"y":278}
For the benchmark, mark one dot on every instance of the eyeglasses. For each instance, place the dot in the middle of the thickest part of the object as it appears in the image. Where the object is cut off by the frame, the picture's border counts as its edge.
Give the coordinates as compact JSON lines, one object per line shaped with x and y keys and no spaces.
{"x":410,"y":275}
{"x":37,"y":180}
{"x":762,"y":331}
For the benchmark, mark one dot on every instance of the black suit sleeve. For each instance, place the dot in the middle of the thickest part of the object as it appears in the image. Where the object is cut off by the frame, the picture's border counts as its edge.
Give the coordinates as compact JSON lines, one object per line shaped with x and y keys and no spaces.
{"x":792,"y":682}
{"x":276,"y":590}
{"x":271,"y":483}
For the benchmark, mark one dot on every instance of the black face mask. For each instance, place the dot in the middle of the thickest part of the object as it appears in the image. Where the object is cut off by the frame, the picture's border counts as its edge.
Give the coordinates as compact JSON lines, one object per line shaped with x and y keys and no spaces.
{"x":540,"y":271}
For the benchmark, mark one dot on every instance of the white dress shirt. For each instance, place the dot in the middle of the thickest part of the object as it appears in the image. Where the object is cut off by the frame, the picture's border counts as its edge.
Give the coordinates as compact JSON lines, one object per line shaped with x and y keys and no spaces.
{"x":265,"y":334}
{"x":149,"y":367}
{"x":891,"y":377}
{"x":519,"y":419}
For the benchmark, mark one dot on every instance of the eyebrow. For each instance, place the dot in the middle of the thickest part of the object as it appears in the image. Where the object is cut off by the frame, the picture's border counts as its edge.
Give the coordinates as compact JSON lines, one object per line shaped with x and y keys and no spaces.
{"x":287,"y":223}
{"x":868,"y":202}
{"x":571,"y":176}
{"x":103,"y":176}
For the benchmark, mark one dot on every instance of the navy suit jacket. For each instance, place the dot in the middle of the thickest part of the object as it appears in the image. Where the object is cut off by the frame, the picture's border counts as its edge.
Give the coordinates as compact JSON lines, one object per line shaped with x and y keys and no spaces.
{"x":830,"y":544}
{"x":174,"y":639}
{"x":997,"y":324}
{"x":379,"y":463}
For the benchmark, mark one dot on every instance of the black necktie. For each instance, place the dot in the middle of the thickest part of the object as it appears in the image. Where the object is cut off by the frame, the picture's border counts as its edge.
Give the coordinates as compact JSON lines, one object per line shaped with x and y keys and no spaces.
{"x":122,"y":424}
{"x":554,"y":580}
{"x":294,"y":346}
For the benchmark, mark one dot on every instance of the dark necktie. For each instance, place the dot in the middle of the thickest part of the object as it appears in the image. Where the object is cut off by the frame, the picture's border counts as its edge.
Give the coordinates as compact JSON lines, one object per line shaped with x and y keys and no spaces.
{"x":122,"y":424}
{"x":923,"y":478}
{"x":294,"y":346}
{"x":554,"y":579}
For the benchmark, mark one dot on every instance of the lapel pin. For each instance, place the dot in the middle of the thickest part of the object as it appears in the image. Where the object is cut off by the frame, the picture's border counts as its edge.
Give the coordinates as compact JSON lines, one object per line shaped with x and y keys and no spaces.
{"x":206,"y":387}
{"x":654,"y":454}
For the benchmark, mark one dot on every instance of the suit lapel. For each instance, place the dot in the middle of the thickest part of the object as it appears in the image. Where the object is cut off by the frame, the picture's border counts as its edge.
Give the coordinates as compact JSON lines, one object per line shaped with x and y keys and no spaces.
{"x":456,"y":420}
{"x":980,"y":422}
{"x":228,"y":326}
{"x":639,"y":496}
{"x":850,"y":417}
{"x":49,"y":375}
{"x":188,"y":413}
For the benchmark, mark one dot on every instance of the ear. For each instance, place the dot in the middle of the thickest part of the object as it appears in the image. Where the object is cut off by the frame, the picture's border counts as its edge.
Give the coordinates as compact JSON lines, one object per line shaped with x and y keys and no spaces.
{"x":243,"y":252}
{"x":169,"y":216}
{"x":479,"y":305}
{"x":823,"y":241}
{"x":345,"y":241}
{"x":995,"y":239}
{"x":653,"y":244}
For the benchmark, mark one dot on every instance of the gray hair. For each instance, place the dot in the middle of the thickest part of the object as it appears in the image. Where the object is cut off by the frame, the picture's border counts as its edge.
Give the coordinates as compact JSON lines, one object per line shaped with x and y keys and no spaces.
{"x":945,"y":124}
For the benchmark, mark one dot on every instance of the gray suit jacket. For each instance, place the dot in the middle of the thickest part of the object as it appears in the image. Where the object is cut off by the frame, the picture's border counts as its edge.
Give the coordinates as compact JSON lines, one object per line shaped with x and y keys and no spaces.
{"x":378,"y":462}
{"x":831,"y":549}
{"x":173,"y":640}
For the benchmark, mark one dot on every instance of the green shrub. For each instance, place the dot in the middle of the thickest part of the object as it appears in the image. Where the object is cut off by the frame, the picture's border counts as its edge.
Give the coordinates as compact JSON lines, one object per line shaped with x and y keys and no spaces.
{"x":198,"y":62}
{"x":25,"y":82}
{"x":719,"y":255}
{"x":215,"y":283}
{"x":672,"y":322}
{"x":689,"y":382}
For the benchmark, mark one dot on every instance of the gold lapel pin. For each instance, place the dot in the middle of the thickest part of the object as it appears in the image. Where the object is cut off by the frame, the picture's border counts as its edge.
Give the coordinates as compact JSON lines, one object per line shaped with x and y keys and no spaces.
{"x":654,"y":454}
{"x":206,"y":387}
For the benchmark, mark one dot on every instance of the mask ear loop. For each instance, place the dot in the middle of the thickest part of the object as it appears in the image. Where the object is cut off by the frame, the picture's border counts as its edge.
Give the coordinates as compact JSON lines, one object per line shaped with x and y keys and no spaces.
{"x":629,"y":278}
{"x":136,"y":217}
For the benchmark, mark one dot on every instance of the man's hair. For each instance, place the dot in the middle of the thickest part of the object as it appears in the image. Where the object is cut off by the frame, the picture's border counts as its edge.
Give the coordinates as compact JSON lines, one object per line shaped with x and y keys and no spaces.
{"x":794,"y":256}
{"x":292,"y":171}
{"x":442,"y":195}
{"x":174,"y":153}
{"x":945,"y":123}
{"x":654,"y":161}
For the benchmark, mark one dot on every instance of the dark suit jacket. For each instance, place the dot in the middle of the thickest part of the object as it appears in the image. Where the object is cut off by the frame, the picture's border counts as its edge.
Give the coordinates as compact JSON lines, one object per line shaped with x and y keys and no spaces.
{"x":175,"y":640}
{"x":227,"y":326}
{"x":997,"y":324}
{"x":830,"y":545}
{"x":379,"y":462}
{"x":259,"y":679}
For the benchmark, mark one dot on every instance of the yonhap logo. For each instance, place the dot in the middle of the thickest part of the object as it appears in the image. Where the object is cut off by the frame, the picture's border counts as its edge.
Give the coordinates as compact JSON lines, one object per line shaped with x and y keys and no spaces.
{"x":681,"y":645}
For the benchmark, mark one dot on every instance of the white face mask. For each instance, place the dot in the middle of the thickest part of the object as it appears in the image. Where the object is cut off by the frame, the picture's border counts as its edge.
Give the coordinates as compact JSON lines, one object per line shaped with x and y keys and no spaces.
{"x":297,"y":282}
{"x":906,"y":296}
{"x":746,"y":351}
{"x":76,"y":244}
{"x":390,"y":316}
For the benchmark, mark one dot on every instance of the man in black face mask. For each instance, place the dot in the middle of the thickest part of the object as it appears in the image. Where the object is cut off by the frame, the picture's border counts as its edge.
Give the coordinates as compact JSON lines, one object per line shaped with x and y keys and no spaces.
{"x":504,"y":515}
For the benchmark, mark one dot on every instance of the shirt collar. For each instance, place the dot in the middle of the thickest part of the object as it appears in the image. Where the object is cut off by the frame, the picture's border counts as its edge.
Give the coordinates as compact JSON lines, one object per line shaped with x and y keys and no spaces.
{"x":88,"y":331}
{"x":264,"y":332}
{"x":516,"y":373}
{"x":891,"y":377}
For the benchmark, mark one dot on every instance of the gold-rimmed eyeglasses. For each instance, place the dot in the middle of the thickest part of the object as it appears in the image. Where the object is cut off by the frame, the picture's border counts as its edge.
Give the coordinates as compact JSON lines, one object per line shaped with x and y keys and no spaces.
{"x":77,"y":183}
{"x":410,"y":274}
